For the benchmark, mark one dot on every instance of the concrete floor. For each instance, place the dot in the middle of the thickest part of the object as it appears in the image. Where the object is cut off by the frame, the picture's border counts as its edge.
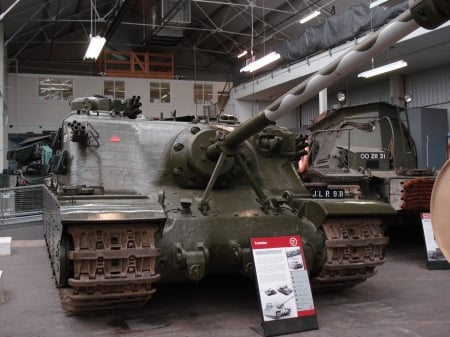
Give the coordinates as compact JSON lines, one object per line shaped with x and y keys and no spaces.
{"x":403,"y":299}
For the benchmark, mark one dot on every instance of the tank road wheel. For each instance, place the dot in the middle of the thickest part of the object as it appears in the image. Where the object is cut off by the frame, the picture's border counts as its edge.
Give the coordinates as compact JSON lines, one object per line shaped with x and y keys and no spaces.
{"x":113,"y":266}
{"x":353,"y":248}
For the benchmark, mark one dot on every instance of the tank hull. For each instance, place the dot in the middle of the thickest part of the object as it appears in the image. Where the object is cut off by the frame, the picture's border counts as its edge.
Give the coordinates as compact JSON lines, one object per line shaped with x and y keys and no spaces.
{"x":127,"y":213}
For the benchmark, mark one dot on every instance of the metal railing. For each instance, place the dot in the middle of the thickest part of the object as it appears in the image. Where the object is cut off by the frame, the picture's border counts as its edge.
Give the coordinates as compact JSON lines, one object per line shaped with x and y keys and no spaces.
{"x":21,"y":204}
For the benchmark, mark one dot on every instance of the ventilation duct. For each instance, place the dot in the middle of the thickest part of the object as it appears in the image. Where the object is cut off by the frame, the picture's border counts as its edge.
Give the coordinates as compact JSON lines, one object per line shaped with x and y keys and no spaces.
{"x":338,"y":29}
{"x":182,"y":15}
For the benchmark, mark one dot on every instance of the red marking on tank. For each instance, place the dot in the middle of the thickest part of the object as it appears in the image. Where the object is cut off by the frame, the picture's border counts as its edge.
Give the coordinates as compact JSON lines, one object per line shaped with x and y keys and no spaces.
{"x":114,"y":139}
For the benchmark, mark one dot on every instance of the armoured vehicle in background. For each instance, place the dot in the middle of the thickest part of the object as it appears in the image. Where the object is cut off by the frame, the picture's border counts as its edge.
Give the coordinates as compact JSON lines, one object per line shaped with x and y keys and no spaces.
{"x":367,"y":152}
{"x":134,"y":201}
{"x":29,"y":159}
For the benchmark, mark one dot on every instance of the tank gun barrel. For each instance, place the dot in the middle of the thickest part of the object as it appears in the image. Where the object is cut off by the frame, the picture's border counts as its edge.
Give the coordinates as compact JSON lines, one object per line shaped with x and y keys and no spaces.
{"x":425,"y":13}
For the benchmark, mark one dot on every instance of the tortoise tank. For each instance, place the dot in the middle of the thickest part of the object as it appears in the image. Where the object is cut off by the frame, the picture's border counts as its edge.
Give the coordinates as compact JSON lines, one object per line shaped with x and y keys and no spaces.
{"x":134,"y":202}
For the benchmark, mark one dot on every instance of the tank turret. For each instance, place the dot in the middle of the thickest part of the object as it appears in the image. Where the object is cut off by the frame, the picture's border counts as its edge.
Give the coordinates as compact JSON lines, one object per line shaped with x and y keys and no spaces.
{"x":134,"y":202}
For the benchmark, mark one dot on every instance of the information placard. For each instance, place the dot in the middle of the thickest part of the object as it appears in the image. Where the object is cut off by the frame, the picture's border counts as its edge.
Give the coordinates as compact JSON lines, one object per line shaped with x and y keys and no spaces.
{"x":283,"y":284}
{"x":435,"y":258}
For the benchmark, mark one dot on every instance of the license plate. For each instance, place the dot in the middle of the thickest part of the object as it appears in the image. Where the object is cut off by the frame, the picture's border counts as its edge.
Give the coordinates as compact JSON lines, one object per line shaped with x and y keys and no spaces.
{"x":327,"y":193}
{"x":372,"y":155}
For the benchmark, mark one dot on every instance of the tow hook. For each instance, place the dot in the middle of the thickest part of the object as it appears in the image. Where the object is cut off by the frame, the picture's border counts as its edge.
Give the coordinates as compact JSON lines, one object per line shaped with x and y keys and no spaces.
{"x":194,"y":261}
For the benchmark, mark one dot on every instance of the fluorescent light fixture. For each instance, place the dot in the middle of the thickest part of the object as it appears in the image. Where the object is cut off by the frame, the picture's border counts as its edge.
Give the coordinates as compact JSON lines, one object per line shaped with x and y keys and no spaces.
{"x":96,"y":44}
{"x":383,"y":69}
{"x":377,"y":3}
{"x":242,"y":54}
{"x":263,"y":61}
{"x":309,"y":17}
{"x":2,"y":15}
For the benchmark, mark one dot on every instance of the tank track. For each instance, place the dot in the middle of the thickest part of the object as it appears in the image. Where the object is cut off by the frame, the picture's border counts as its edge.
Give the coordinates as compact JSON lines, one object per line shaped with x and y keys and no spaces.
{"x":113,"y":266}
{"x":353,"y":248}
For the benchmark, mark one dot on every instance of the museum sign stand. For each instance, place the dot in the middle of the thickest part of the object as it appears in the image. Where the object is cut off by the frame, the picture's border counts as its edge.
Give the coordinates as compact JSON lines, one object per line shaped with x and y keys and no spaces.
{"x":282,"y":281}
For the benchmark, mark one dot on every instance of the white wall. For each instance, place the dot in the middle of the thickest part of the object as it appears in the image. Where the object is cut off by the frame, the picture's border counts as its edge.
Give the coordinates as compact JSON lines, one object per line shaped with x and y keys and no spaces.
{"x":28,"y":113}
{"x":430,"y":88}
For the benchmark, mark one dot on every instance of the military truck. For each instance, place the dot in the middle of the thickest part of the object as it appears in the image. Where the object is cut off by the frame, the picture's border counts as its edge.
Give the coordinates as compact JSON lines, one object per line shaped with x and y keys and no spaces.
{"x":366,"y":151}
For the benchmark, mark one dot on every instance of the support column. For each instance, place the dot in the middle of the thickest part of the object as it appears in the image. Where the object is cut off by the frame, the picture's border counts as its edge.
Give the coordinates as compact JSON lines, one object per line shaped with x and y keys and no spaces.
{"x":323,"y":100}
{"x":397,"y":90}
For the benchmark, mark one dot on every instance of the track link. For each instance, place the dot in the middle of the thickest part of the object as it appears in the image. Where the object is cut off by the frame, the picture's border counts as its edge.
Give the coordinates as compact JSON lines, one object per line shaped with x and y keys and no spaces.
{"x":113,"y":266}
{"x":354,"y":247}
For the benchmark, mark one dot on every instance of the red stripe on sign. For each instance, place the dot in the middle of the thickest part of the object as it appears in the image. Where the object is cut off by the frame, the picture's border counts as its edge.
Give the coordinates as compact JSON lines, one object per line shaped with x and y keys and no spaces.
{"x":276,"y":242}
{"x":114,"y":139}
{"x":303,"y":313}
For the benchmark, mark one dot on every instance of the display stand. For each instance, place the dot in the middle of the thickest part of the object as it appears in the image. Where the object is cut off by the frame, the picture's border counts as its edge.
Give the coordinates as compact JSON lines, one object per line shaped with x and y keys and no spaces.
{"x":282,"y":280}
{"x":435,"y":258}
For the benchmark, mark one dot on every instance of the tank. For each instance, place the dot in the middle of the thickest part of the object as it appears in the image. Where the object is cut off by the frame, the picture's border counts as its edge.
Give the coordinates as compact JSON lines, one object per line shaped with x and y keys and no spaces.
{"x":133,"y":202}
{"x":276,"y":310}
{"x":367,"y":152}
